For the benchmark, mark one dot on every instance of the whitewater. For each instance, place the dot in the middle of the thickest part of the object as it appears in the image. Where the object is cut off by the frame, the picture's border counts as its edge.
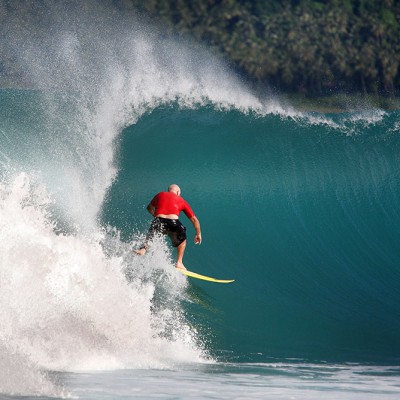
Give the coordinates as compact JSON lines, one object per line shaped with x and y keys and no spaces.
{"x":300,"y":208}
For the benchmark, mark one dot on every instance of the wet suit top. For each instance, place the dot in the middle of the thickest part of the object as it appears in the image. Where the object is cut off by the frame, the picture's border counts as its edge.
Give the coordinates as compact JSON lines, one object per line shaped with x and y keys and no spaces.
{"x":170,"y":203}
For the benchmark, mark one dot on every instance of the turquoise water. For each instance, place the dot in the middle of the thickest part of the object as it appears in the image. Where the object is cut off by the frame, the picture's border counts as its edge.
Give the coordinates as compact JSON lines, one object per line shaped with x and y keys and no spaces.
{"x":299,"y":208}
{"x":303,"y":216}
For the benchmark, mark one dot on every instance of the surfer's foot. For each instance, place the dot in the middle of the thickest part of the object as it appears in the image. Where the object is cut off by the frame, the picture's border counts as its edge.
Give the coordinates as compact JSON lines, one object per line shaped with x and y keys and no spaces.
{"x":140,"y":252}
{"x":180,"y":265}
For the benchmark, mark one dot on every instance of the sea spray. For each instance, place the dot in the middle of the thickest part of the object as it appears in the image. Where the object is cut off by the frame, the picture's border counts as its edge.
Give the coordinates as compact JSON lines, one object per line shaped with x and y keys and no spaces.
{"x":68,"y":306}
{"x":19,"y":376}
{"x":65,"y":303}
{"x":96,"y":77}
{"x":83,"y":309}
{"x":90,"y":78}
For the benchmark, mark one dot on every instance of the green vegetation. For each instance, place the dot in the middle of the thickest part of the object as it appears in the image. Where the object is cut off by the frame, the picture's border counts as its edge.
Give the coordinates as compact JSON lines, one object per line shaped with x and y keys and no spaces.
{"x":311,"y":47}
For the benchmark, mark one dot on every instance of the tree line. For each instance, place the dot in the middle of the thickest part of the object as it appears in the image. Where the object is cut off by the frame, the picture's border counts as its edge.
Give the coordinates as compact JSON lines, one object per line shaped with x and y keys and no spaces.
{"x":306,"y":46}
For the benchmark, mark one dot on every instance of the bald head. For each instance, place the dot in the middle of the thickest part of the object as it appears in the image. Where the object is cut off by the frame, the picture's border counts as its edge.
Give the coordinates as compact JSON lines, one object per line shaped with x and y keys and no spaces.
{"x":174,"y":189}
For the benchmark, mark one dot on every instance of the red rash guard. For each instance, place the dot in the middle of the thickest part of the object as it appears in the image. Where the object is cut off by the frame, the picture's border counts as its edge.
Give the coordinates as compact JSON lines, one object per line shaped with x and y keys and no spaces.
{"x":170,"y":203}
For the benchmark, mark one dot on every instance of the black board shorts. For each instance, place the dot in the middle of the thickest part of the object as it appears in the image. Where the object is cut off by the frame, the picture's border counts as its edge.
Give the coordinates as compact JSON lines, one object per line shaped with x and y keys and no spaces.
{"x":171,"y":227}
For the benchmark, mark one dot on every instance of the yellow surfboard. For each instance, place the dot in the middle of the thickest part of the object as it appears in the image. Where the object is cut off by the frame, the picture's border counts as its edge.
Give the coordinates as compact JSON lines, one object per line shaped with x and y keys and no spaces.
{"x":204,"y":278}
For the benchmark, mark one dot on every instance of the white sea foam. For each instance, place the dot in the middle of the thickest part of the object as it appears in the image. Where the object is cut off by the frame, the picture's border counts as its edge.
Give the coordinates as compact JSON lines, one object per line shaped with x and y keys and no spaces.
{"x":66,"y":305}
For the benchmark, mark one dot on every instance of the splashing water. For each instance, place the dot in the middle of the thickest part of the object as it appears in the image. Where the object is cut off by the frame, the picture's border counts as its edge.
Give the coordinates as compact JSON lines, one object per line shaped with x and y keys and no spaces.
{"x":65,"y":302}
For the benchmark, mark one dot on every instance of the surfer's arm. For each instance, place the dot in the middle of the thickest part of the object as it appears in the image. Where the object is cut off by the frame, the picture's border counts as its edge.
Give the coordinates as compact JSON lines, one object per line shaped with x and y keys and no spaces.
{"x":196,"y":224}
{"x":151,"y":209}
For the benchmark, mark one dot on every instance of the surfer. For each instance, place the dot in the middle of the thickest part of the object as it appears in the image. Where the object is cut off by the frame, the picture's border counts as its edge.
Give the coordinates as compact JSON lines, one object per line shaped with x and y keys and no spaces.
{"x":165,"y":207}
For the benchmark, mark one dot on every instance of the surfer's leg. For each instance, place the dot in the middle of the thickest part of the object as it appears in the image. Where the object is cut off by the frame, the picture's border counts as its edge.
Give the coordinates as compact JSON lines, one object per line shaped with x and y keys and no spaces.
{"x":155,"y":227}
{"x":177,"y":233}
{"x":141,"y":251}
{"x":181,"y":251}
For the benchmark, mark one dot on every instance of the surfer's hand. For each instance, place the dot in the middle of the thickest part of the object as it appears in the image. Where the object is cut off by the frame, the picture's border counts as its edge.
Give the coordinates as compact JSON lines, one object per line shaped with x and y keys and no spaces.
{"x":197,"y":239}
